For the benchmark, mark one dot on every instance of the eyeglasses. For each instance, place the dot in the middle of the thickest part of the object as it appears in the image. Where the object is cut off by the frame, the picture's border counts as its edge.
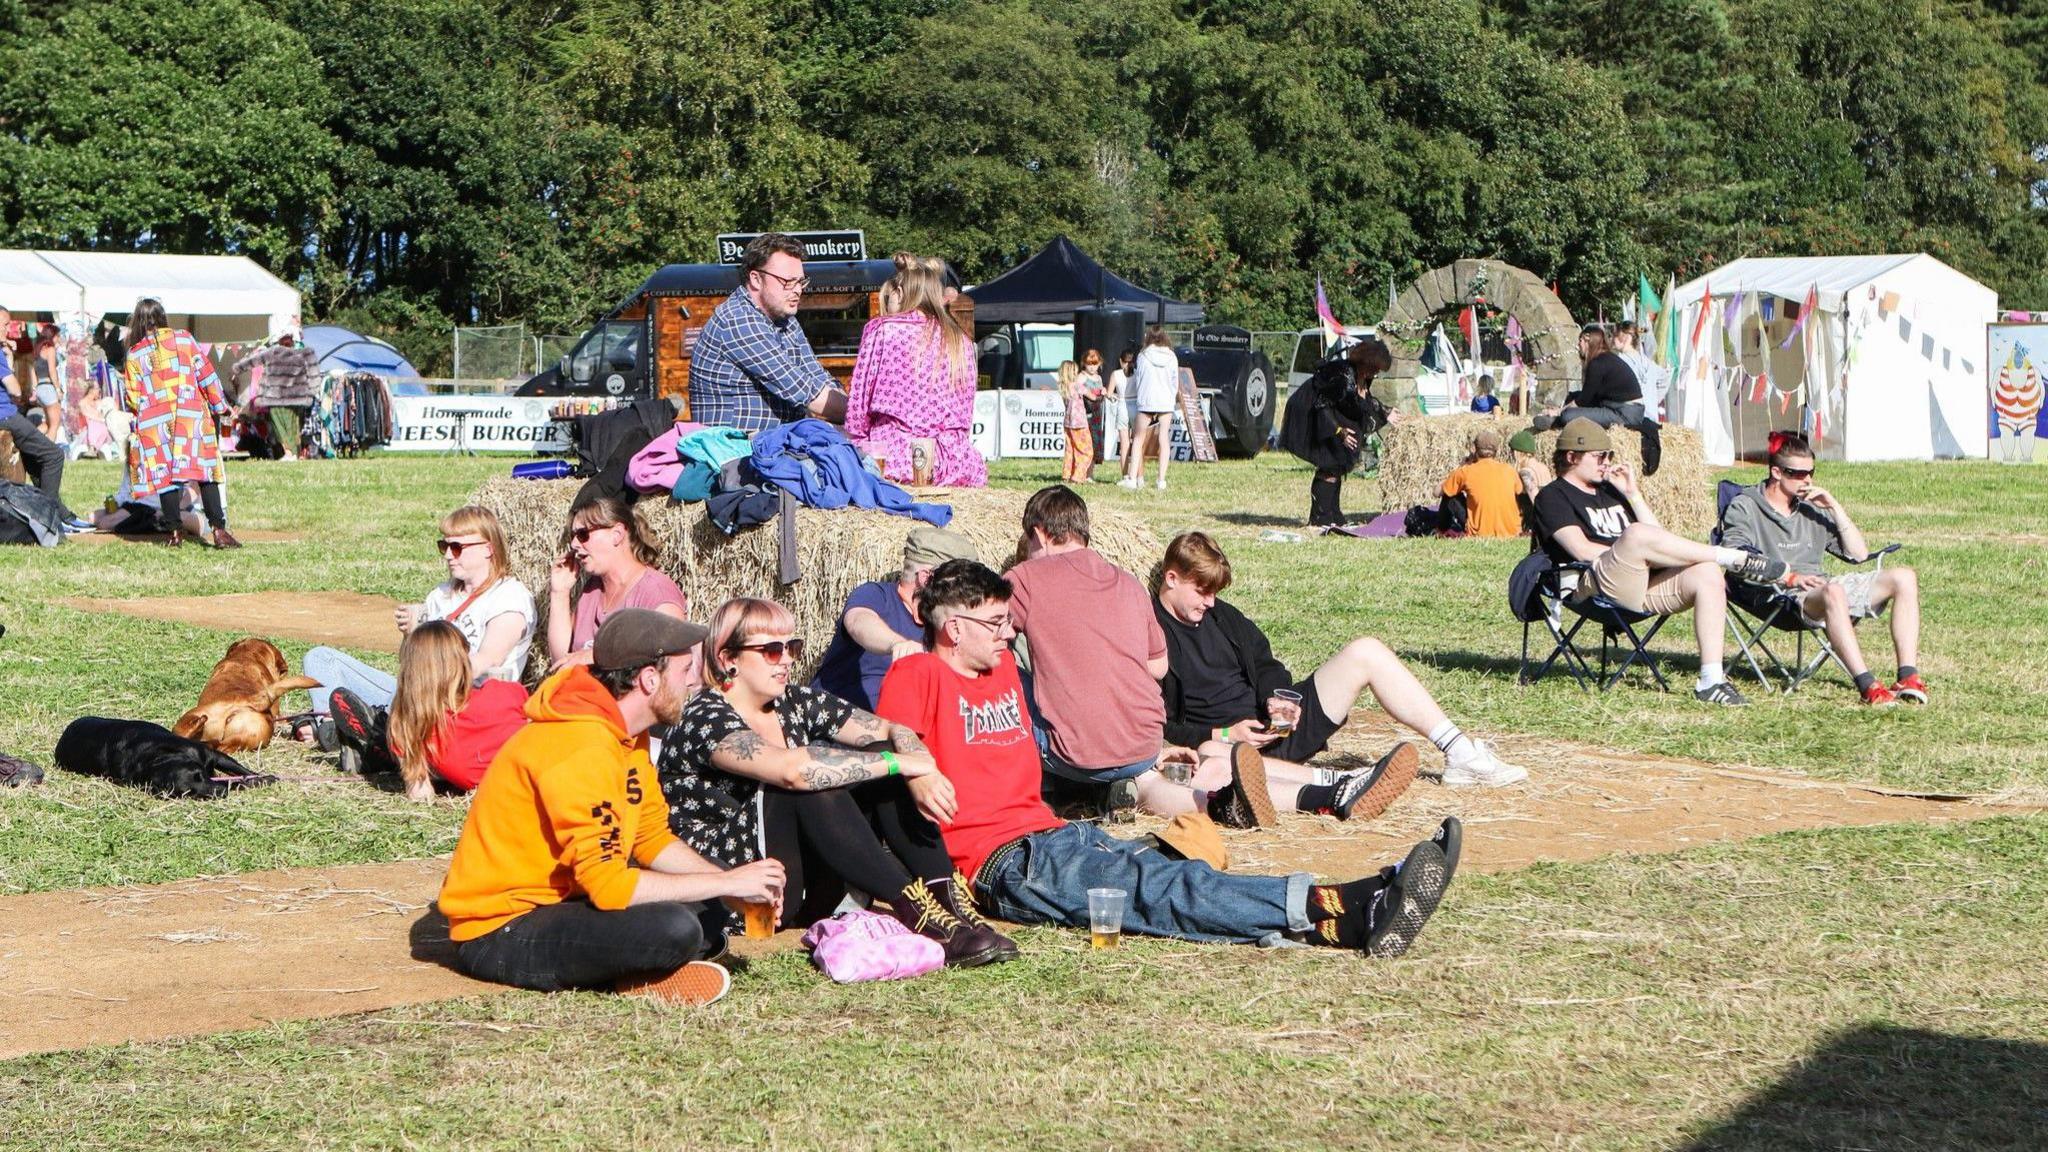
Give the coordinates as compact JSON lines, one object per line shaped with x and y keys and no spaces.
{"x":792,"y":283}
{"x":582,"y":535}
{"x":774,"y":650}
{"x":1795,"y":473}
{"x":995,"y":625}
{"x":454,"y":547}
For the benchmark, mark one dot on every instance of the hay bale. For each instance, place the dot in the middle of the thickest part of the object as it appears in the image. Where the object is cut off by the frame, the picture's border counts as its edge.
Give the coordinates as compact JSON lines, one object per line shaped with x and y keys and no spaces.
{"x":1418,"y":454}
{"x":837,"y":550}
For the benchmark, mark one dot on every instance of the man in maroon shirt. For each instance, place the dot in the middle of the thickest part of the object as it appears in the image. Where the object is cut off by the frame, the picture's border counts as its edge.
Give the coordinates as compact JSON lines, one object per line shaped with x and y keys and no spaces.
{"x":964,"y":700}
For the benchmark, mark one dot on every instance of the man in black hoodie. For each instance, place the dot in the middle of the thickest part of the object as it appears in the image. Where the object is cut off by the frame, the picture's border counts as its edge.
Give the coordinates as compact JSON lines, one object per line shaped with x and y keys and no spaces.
{"x":1223,"y":688}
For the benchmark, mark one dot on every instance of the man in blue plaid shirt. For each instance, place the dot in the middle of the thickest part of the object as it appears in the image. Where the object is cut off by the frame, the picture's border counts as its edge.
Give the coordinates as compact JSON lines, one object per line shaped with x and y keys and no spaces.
{"x":752,"y":368}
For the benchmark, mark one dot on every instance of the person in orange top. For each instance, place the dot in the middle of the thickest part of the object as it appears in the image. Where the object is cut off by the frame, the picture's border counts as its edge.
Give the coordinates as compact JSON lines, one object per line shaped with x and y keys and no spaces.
{"x":566,"y":875}
{"x":1489,"y":486}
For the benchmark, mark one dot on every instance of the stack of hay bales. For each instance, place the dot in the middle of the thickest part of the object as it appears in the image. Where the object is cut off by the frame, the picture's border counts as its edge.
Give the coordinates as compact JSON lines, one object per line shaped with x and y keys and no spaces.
{"x":837,"y":550}
{"x":1418,"y":454}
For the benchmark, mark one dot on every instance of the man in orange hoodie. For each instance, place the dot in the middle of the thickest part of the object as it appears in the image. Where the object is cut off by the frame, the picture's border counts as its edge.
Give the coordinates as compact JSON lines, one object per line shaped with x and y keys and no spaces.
{"x":566,"y":875}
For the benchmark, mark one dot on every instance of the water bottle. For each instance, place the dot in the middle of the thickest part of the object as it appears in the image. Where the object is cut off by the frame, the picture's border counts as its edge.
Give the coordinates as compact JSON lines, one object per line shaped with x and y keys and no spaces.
{"x":541,"y":470}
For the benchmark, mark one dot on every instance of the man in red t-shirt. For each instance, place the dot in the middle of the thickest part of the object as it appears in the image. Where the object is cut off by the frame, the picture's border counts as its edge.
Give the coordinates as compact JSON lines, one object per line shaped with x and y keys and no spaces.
{"x":965,"y":701}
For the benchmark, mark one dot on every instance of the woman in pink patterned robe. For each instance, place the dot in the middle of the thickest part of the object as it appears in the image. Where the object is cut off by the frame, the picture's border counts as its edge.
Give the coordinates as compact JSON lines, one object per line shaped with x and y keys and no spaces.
{"x":913,"y":386}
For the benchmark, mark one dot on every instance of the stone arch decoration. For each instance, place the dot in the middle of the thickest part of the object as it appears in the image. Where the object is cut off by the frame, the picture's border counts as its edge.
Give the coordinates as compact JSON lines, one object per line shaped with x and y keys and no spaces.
{"x":1550,"y":337}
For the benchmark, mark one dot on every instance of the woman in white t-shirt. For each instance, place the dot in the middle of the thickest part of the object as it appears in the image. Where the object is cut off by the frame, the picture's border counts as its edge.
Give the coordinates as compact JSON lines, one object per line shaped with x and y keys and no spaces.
{"x":1157,"y":383}
{"x":493,"y":611}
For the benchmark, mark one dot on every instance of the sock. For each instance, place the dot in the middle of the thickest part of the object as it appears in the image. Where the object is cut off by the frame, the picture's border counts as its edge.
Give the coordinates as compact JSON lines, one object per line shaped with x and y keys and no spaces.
{"x":1331,"y":775}
{"x":1340,"y":914}
{"x":1453,"y":743}
{"x":1710,"y":675}
{"x":1729,"y":558}
{"x":1906,"y":670}
{"x":1315,"y":797}
{"x":1865,"y":681}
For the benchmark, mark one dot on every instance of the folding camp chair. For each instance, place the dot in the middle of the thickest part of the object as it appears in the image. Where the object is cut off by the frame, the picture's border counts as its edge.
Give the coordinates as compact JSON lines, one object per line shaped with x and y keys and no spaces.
{"x":1755,"y":612}
{"x":1539,"y":590}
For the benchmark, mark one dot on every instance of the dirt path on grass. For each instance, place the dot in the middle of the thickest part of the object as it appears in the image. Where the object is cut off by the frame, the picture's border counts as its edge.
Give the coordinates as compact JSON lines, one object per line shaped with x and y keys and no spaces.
{"x":142,"y":963}
{"x":343,"y":619}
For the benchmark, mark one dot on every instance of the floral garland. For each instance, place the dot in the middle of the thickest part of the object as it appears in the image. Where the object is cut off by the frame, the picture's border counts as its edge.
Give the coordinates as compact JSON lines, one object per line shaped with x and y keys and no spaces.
{"x":1490,"y":318}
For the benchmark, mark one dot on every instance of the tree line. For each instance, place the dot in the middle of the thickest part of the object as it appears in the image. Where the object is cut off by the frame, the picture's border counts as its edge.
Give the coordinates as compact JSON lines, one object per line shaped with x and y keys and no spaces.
{"x":417,"y":163}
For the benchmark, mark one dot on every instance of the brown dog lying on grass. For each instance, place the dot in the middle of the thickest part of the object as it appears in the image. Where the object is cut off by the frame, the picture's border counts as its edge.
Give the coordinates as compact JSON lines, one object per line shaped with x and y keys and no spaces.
{"x":238,"y":709}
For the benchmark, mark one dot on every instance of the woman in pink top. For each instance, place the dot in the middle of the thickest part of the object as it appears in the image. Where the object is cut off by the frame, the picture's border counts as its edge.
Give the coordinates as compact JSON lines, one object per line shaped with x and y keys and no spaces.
{"x":913,"y":385}
{"x":610,"y":558}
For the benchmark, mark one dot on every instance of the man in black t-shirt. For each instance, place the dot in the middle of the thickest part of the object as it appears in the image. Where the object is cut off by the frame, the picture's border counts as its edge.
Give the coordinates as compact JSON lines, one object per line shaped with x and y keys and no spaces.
{"x":1595,"y":513}
{"x":1222,"y":690}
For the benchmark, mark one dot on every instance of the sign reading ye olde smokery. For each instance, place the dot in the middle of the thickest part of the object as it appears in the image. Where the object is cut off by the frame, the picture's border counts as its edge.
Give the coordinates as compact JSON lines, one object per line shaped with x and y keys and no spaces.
{"x":850,"y":244}
{"x":475,"y":424}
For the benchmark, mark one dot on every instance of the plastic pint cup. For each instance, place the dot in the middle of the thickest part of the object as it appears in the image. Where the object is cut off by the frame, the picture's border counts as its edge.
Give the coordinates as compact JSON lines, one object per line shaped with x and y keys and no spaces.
{"x":1279,"y":726}
{"x":1105,"y":916}
{"x":760,"y":917}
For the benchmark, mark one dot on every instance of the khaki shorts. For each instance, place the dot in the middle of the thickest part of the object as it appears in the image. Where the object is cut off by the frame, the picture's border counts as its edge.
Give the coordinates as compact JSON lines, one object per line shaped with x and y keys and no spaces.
{"x":1858,"y":587}
{"x":1634,"y":586}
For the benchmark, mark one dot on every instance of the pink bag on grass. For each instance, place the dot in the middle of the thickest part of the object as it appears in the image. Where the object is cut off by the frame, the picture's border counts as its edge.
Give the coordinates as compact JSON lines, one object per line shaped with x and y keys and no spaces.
{"x":854,"y":947}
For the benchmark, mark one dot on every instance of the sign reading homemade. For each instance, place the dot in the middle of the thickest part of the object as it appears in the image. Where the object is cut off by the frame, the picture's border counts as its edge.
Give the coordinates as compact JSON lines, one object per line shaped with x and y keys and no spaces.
{"x":846,"y":245}
{"x":475,"y":424}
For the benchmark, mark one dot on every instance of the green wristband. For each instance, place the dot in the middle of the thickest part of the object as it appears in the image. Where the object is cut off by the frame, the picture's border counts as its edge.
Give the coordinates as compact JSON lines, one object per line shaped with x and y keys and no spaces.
{"x":895,"y":768}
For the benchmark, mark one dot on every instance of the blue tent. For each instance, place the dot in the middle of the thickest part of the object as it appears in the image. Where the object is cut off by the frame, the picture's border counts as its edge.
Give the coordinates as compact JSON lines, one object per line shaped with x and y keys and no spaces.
{"x":338,"y":347}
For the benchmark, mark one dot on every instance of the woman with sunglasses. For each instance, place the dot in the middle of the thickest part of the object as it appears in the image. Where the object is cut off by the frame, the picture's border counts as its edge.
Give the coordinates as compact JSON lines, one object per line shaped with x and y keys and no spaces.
{"x":609,"y":564}
{"x":493,"y":611}
{"x":759,"y":766}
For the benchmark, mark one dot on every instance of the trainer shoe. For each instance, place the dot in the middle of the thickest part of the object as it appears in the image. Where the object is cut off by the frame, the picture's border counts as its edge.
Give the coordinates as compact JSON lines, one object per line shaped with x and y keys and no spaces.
{"x":1879,"y":696}
{"x":1162,"y":484}
{"x":1129,"y":482}
{"x":1911,"y":689}
{"x":1760,"y":569}
{"x":1484,"y":769}
{"x":1244,"y":802}
{"x":1720,"y":692}
{"x":697,"y":982}
{"x":18,"y":773}
{"x":1450,"y":839}
{"x":1364,"y":795}
{"x":1408,"y":900}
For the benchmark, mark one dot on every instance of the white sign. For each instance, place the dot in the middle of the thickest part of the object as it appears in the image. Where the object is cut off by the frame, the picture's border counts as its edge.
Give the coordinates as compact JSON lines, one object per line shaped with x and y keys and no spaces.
{"x":1032,"y":424}
{"x":475,"y":424}
{"x":985,"y":424}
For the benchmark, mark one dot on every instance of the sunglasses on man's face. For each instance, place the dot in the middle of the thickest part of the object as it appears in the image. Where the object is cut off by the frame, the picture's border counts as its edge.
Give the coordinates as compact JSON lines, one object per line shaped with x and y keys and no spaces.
{"x":454,"y":547}
{"x":774,"y":650}
{"x":1796,"y":473}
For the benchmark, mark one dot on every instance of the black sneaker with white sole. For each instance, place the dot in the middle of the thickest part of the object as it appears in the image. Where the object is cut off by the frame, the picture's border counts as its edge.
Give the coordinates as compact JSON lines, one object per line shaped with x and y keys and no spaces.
{"x":1364,"y":795}
{"x":1720,"y":692}
{"x":1450,"y":840}
{"x":1406,"y":903}
{"x":1760,"y":569}
{"x":1244,"y":802}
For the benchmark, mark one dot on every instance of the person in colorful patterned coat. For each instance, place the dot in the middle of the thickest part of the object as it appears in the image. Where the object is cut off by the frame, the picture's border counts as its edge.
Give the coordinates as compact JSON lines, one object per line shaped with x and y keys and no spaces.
{"x":912,"y":389}
{"x":179,"y":410}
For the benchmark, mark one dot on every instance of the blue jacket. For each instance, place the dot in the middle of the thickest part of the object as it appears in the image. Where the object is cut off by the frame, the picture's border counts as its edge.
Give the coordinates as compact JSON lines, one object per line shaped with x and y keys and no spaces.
{"x":816,"y":464}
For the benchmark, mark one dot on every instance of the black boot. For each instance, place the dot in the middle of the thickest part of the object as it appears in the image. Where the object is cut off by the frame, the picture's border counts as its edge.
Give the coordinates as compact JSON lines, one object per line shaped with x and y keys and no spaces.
{"x":919,"y":909}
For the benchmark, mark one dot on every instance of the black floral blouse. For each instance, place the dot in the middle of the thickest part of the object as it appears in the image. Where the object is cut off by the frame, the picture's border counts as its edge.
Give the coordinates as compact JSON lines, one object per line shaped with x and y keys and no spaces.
{"x":716,"y":812}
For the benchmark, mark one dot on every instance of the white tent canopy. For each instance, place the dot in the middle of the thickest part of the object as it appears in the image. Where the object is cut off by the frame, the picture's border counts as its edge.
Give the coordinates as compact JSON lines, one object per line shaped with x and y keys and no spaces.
{"x":1888,"y":367}
{"x":216,"y":297}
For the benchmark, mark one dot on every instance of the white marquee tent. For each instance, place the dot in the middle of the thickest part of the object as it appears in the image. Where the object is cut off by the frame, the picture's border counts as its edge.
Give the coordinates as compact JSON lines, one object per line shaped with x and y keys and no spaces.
{"x":215,"y":297}
{"x":1889,"y":365}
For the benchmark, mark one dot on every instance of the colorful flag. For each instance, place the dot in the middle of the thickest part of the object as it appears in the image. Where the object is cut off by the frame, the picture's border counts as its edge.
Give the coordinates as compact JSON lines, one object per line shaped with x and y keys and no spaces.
{"x":1699,"y":323}
{"x":1331,"y":328}
{"x":1647,"y":304}
{"x":1760,"y":389}
{"x":1805,"y":312}
{"x":1468,"y":323}
{"x":1667,"y":324}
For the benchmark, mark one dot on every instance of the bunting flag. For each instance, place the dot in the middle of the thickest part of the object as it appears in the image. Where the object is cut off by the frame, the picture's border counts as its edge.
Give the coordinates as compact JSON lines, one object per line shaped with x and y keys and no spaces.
{"x":1331,"y":328}
{"x":1514,"y":340}
{"x":1784,"y":403}
{"x":1767,"y":307}
{"x":1647,"y":304}
{"x":1815,"y":434}
{"x":1760,"y":388}
{"x":1805,"y":311}
{"x":1700,"y":322}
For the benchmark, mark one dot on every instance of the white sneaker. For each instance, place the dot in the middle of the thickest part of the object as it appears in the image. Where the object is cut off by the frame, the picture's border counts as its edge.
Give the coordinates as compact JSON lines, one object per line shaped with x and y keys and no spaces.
{"x":1484,"y":769}
{"x":1128,"y":482}
{"x":1162,"y":484}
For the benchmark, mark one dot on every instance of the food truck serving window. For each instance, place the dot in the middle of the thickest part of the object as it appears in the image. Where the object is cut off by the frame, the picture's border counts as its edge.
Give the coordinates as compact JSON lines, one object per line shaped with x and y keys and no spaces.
{"x":833,"y":321}
{"x":613,"y":346}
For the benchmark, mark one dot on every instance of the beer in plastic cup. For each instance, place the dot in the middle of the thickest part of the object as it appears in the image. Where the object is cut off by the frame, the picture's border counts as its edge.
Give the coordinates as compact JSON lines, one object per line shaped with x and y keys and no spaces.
{"x":1105,"y":916}
{"x":1277,"y":726}
{"x":760,"y":916}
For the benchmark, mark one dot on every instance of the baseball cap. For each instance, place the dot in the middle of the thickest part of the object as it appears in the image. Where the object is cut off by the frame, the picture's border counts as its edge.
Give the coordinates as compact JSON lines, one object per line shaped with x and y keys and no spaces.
{"x":929,"y":545}
{"x":1582,"y":435}
{"x":637,"y":637}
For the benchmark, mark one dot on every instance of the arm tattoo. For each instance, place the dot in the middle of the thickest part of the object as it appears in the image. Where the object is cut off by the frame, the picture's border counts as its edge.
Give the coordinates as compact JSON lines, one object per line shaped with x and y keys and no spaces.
{"x":742,"y":745}
{"x":863,"y":729}
{"x":833,"y":767}
{"x":906,"y":740}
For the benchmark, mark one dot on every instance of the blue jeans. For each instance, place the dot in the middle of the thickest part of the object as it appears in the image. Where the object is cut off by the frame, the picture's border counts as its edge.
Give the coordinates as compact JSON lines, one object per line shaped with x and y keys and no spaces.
{"x":1047,"y":882}
{"x":334,"y":668}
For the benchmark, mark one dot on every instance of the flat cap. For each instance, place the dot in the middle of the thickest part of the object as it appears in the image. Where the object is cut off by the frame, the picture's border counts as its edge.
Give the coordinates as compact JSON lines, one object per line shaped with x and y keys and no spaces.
{"x":637,"y":637}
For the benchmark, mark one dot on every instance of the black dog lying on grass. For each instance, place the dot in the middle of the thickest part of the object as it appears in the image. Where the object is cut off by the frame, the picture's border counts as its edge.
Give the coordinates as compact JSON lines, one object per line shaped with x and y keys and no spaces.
{"x":144,"y":755}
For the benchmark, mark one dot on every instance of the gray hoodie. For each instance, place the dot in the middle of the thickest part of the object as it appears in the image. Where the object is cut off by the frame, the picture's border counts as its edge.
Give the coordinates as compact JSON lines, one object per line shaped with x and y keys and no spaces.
{"x":1798,"y":538}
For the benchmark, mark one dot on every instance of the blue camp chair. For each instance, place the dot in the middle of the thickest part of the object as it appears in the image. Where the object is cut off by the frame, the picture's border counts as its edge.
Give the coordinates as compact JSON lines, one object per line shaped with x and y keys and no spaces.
{"x":1537,"y":590}
{"x":1755,"y":612}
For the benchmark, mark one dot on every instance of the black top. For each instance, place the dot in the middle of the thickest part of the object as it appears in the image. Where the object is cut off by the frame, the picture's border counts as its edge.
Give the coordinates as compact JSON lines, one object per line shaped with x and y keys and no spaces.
{"x":1322,"y":410}
{"x":716,"y":812}
{"x":1213,"y":686}
{"x":1603,"y":514}
{"x":1608,"y":381}
{"x":1257,"y":671}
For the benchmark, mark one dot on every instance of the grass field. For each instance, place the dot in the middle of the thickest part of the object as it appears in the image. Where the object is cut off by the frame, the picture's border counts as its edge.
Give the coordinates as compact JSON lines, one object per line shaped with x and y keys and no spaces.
{"x":1871,"y":988}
